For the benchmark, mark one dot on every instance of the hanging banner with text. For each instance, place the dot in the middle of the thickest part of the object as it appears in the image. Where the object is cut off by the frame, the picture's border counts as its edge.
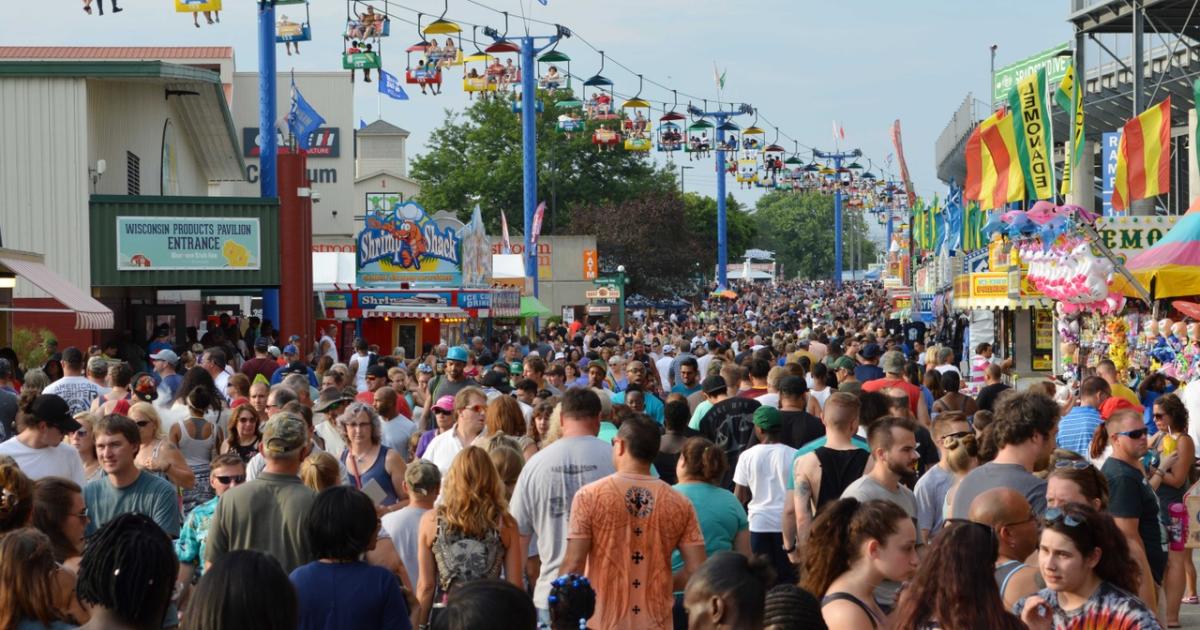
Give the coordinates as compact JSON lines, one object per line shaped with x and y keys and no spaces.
{"x":188,"y":243}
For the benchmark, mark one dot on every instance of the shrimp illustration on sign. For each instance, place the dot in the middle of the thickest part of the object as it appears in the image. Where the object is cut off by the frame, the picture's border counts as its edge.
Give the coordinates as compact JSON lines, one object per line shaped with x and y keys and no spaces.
{"x":401,"y":239}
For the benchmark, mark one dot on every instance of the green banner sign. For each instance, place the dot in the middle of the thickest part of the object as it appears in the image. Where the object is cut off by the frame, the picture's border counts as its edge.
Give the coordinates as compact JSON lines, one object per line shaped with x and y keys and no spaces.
{"x":191,"y":243}
{"x":1055,"y":65}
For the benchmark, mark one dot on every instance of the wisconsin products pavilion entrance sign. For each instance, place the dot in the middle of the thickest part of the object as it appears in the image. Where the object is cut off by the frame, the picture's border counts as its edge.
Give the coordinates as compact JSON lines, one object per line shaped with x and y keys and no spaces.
{"x":402,"y":244}
{"x":187,"y":243}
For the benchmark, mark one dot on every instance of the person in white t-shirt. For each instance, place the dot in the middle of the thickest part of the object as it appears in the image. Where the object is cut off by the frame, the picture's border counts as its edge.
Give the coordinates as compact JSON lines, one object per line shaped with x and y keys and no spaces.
{"x":759,"y":478}
{"x":326,"y":346}
{"x":945,"y":359}
{"x":74,"y":387}
{"x":39,"y":449}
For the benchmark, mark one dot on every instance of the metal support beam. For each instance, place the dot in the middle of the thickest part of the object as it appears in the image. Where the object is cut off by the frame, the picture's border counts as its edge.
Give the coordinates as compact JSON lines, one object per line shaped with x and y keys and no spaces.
{"x":1139,"y":58}
{"x":1092,"y":36}
{"x":720,"y":117}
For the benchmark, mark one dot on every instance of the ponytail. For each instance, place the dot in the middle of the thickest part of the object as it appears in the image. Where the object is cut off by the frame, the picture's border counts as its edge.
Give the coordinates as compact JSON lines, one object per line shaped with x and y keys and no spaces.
{"x":703,"y":460}
{"x":200,"y":399}
{"x":1099,"y":441}
{"x":25,"y":417}
{"x":837,"y":535}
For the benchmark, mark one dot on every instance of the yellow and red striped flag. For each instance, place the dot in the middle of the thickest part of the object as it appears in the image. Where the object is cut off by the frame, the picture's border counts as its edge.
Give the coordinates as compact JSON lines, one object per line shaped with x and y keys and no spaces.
{"x":994,"y":176}
{"x":1144,"y":157}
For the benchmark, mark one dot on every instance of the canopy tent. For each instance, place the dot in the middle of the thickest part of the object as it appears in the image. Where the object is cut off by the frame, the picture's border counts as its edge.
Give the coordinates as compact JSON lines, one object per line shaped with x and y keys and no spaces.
{"x":333,"y":271}
{"x":533,"y":307}
{"x":1171,"y":268}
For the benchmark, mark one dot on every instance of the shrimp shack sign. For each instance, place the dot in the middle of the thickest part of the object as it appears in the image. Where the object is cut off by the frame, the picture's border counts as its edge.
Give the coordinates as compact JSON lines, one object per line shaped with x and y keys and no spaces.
{"x":402,"y":244}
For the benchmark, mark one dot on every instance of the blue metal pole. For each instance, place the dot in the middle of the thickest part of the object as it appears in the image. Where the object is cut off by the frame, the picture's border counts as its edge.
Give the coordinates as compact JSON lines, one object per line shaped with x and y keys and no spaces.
{"x":722,"y":243}
{"x":268,"y":147}
{"x":887,"y":244}
{"x":837,"y":224}
{"x":529,"y":157}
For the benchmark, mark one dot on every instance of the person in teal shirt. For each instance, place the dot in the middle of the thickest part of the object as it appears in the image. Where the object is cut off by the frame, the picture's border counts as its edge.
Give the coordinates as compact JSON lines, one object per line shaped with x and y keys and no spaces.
{"x":228,"y":471}
{"x":722,"y":518}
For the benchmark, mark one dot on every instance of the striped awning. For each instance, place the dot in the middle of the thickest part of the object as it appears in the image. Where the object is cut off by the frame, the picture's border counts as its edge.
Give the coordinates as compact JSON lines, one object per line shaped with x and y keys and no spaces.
{"x":90,"y":314}
{"x":416,"y":312}
{"x":1002,"y":303}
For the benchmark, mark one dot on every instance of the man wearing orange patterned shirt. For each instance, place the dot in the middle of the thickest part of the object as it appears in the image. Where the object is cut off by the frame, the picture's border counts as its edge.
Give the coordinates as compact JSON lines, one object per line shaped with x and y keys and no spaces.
{"x":623,"y":529}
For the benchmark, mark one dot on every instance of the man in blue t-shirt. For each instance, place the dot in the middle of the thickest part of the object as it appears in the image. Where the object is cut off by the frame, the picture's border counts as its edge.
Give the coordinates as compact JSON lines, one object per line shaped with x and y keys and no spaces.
{"x":869,"y":369}
{"x":1076,"y":428}
{"x":125,"y":487}
{"x":689,"y":375}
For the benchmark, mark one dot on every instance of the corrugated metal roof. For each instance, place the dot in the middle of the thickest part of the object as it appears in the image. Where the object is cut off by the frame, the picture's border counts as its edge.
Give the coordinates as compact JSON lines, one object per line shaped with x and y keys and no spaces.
{"x":116,"y":52}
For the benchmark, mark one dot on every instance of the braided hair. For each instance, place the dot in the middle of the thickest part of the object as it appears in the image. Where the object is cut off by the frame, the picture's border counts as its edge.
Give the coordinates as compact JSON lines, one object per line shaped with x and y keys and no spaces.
{"x":129,"y":568}
{"x":788,"y":606}
{"x":572,"y":602}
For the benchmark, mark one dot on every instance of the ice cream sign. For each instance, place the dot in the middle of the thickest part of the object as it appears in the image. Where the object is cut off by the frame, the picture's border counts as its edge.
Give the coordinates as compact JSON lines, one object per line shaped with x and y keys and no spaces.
{"x":188,"y":243}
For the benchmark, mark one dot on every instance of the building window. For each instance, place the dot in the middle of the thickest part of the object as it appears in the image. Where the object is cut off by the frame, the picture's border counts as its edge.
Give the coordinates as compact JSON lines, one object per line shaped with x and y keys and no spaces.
{"x":133,"y":173}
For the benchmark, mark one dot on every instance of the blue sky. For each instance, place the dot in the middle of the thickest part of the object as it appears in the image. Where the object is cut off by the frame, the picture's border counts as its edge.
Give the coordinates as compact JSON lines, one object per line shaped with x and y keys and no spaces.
{"x":803,"y":63}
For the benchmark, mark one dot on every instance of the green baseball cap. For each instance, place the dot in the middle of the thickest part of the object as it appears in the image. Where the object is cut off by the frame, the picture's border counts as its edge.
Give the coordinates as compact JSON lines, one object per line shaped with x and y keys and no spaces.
{"x":844,"y":363}
{"x":284,"y":433}
{"x":516,"y":367}
{"x":767,"y":418}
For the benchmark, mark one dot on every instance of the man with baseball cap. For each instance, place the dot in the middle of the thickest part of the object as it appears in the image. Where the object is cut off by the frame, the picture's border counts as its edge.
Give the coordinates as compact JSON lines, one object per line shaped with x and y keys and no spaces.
{"x":73,"y":387}
{"x":377,"y":376}
{"x":455,"y":376}
{"x":443,"y":417}
{"x":329,"y":405}
{"x":844,"y":368}
{"x":294,"y":367}
{"x":758,"y":482}
{"x":164,"y":362}
{"x":893,"y":363}
{"x":423,"y":482}
{"x":869,"y":369}
{"x":39,"y":449}
{"x":269,"y":513}
{"x":262,"y":363}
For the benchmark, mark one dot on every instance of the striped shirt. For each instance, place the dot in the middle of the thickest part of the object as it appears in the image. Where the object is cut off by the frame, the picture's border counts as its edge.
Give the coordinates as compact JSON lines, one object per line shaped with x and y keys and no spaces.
{"x":1076,"y":428}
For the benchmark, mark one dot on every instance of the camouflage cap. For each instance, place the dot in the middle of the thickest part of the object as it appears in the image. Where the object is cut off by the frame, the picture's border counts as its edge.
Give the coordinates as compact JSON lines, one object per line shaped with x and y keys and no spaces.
{"x":283,"y":434}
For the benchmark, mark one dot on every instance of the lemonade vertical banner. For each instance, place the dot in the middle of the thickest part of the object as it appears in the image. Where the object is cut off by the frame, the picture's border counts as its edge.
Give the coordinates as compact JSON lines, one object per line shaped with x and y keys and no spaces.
{"x":191,"y":243}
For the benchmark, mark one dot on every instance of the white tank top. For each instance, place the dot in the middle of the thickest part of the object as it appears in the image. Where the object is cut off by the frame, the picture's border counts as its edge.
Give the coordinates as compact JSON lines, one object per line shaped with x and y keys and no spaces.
{"x":360,"y":376}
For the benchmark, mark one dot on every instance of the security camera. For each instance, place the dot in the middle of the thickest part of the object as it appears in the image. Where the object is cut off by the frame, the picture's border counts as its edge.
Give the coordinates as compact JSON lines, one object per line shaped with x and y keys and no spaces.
{"x":101,"y":166}
{"x":316,"y":197}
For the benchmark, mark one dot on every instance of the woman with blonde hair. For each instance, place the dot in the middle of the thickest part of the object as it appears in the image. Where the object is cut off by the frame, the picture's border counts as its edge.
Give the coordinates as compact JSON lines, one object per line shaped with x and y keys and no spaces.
{"x":156,"y":454}
{"x":962,"y":456}
{"x":320,"y":471}
{"x":470,"y":536}
{"x":85,"y":444}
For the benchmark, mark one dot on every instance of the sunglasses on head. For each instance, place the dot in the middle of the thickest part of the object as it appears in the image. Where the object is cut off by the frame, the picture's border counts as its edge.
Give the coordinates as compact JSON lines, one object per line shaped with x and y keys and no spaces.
{"x":1135,"y":434}
{"x":1055,"y":515}
{"x":1071,"y":463}
{"x":228,"y":479}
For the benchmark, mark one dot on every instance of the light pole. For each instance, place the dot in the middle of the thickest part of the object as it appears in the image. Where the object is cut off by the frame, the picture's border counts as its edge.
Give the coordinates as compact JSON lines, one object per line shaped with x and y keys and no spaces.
{"x":837,"y":207}
{"x":682,"y":169}
{"x":992,"y":87}
{"x":721,"y":117}
{"x":621,"y":287}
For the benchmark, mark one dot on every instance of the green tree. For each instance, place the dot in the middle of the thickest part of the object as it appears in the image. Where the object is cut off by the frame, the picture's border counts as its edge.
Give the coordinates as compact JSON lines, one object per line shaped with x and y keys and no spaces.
{"x":799,"y":228}
{"x":701,"y":216}
{"x":478,"y":152}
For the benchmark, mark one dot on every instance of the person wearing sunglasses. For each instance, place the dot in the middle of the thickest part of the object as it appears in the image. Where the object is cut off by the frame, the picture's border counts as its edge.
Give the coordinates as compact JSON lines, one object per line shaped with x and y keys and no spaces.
{"x":953,"y":588}
{"x":1131,"y":498}
{"x":949,"y":427}
{"x":1076,"y":481}
{"x":1009,"y":514}
{"x":156,"y":454}
{"x":470,"y":413}
{"x":1171,"y":418}
{"x":228,"y":471}
{"x":1091,"y":579}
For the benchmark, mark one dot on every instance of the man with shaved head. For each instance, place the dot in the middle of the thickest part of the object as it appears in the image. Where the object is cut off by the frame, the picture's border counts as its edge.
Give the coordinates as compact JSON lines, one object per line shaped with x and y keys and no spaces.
{"x":1008,"y":513}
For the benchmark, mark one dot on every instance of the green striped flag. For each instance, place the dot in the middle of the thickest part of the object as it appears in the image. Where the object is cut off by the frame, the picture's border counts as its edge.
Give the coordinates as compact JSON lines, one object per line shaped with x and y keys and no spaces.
{"x":1031,"y":124}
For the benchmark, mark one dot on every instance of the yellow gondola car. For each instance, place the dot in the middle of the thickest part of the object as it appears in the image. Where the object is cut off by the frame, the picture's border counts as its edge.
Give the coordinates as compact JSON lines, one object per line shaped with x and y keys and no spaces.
{"x":636,"y":125}
{"x":475,"y":77}
{"x":195,"y":6}
{"x":747,"y":171}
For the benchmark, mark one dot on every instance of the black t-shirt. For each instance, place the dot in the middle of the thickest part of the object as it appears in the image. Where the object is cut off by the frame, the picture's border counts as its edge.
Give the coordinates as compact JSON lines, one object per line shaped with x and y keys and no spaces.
{"x":987,"y":396}
{"x":1130,"y":496}
{"x":800,"y":428}
{"x":730,"y":425}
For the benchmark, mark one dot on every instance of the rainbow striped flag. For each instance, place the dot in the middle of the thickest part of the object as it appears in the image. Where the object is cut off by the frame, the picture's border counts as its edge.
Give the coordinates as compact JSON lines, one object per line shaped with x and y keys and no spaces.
{"x":994,"y":176}
{"x":1144,"y":157}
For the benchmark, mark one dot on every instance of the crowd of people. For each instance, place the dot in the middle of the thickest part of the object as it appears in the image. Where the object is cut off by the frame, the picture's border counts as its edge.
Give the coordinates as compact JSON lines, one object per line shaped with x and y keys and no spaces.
{"x":787,"y":458}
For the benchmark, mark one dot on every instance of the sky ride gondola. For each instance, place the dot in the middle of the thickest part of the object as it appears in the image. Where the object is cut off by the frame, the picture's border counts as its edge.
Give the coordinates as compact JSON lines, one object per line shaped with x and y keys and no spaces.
{"x":368,"y":24}
{"x":670,"y":129}
{"x":554,"y":78}
{"x":447,"y":54}
{"x":599,"y":105}
{"x":699,"y":142}
{"x":636,"y":123}
{"x":570,"y":121}
{"x":290,"y":32}
{"x":731,"y":130}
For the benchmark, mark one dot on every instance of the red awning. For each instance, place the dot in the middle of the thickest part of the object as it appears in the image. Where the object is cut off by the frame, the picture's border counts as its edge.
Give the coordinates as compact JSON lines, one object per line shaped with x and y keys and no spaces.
{"x":90,"y":314}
